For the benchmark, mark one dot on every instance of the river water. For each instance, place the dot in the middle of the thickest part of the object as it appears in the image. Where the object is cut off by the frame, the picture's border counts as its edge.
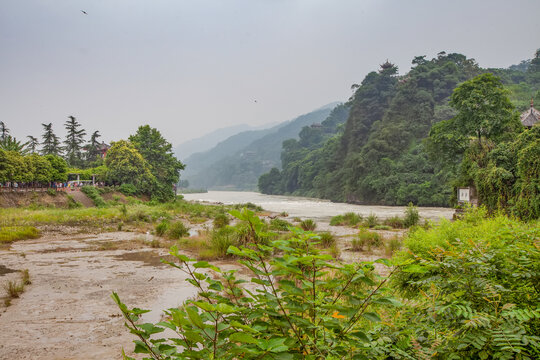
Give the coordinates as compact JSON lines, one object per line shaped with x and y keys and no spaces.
{"x":312,"y":208}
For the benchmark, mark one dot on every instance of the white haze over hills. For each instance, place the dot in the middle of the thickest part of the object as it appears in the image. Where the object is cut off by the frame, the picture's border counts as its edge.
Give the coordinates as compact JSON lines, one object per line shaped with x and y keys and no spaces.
{"x":208,"y":141}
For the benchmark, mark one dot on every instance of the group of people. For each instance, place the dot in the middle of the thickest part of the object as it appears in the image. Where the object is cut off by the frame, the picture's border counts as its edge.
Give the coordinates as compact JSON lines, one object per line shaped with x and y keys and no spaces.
{"x":58,"y":186}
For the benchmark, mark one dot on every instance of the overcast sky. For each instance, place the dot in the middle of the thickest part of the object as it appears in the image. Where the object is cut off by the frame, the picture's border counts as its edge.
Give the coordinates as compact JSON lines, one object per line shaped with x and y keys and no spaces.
{"x":188,"y":67}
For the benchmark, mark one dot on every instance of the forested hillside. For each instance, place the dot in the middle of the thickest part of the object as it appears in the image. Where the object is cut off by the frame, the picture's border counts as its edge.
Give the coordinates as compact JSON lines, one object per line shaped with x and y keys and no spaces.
{"x":380,"y":157}
{"x":237,"y":162}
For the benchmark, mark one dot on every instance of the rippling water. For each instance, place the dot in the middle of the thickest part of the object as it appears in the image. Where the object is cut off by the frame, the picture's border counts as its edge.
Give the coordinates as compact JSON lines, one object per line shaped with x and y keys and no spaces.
{"x":312,"y":208}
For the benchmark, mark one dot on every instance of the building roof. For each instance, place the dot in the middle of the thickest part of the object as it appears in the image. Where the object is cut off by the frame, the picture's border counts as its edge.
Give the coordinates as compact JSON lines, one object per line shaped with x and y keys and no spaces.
{"x":530,"y":117}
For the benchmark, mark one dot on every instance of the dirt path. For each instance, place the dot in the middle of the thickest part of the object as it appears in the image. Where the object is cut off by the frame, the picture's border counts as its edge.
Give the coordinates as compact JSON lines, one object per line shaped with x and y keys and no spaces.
{"x":67,"y":311}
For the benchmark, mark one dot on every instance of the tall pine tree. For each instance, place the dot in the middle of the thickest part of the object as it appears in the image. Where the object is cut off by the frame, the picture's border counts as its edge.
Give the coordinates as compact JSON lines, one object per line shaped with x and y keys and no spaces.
{"x":51,"y":142}
{"x":74,"y":141}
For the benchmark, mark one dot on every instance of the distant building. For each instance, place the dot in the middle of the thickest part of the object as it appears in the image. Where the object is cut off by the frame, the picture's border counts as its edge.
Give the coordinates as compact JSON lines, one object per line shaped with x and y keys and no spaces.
{"x":530,"y":117}
{"x":102,"y":149}
{"x":316,"y":126}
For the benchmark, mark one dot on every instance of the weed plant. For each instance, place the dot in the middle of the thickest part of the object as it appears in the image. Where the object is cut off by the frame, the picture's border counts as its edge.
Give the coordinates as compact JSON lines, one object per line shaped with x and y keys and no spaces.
{"x":279,"y":224}
{"x":327,"y":240}
{"x":221,"y":220}
{"x":347,"y":219}
{"x":177,"y":230}
{"x":308,"y":225}
{"x":94,"y":194}
{"x":395,"y":222}
{"x":371,"y":221}
{"x":411,"y":216}
{"x":162,"y":228}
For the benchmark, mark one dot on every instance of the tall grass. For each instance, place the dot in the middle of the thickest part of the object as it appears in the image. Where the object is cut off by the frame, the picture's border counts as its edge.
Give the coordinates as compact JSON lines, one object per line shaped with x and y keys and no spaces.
{"x":13,"y":233}
{"x":350,"y":219}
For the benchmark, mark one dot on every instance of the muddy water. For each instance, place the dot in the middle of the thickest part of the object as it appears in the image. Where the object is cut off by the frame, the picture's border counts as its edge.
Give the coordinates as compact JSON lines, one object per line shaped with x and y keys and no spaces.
{"x":313,"y":208}
{"x":67,"y":312}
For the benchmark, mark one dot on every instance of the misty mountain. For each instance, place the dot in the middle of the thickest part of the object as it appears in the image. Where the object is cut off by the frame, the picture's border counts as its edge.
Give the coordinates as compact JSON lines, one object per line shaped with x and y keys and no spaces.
{"x":237,"y":162}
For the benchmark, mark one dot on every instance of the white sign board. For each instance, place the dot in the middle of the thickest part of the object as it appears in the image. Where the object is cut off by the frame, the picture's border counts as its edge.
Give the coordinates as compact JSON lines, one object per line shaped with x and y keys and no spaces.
{"x":464,"y":194}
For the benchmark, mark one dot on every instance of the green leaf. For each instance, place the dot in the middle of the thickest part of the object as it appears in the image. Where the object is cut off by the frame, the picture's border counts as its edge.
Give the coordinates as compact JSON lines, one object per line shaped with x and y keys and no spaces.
{"x":194,"y":317}
{"x":371,"y":316}
{"x":361,"y":336}
{"x":243,"y":338}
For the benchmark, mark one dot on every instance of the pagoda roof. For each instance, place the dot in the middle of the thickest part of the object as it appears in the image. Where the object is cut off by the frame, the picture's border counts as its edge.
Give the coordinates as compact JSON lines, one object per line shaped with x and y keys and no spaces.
{"x":530,"y":117}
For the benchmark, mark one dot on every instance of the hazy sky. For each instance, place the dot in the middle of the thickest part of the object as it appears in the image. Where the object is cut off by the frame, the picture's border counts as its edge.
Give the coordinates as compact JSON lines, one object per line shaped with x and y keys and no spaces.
{"x":187,"y":67}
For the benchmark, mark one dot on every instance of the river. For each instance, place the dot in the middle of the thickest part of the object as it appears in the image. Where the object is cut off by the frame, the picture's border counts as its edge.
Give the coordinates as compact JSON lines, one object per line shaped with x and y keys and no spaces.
{"x":316,"y":209}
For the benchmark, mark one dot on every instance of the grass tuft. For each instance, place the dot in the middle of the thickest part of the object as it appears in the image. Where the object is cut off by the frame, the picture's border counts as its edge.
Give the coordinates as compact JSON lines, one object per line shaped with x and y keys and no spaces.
{"x":9,"y":234}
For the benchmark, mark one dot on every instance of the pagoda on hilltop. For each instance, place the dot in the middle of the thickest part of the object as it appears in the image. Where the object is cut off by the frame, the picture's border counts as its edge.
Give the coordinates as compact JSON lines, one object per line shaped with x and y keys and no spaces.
{"x":530,"y":117}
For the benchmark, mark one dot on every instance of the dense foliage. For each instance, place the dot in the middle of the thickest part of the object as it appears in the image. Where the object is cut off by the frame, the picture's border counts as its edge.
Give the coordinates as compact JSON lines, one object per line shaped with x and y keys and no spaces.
{"x":463,"y":290}
{"x":382,"y":155}
{"x":143,"y":165}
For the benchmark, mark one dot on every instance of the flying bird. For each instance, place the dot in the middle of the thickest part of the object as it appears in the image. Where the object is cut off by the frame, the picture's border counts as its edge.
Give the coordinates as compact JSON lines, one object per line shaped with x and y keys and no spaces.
{"x":84,"y":12}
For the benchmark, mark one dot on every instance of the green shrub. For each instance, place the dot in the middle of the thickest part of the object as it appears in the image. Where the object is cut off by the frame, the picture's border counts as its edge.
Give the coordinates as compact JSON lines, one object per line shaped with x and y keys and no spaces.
{"x":221,"y":239}
{"x":177,"y":230}
{"x":221,"y":220}
{"x":327,"y":240}
{"x":369,"y":239}
{"x":477,"y":275}
{"x":51,"y":191}
{"x":350,"y":219}
{"x":308,"y":225}
{"x":162,"y":228}
{"x":382,"y":227}
{"x":411,"y":216}
{"x":13,"y":233}
{"x":279,"y":224}
{"x":278,"y":320}
{"x":395,"y":222}
{"x":94,"y":194}
{"x":392,"y":246}
{"x":128,"y":189}
{"x":72,"y":203}
{"x":371,"y":221}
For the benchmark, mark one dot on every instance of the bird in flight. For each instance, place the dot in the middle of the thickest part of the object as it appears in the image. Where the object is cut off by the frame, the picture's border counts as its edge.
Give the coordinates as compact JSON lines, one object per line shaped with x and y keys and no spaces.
{"x":84,"y":12}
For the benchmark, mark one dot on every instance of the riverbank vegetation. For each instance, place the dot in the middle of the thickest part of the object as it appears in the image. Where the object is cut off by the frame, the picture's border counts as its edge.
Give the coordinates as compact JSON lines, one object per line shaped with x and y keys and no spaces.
{"x":463,"y":289}
{"x":142,"y":165}
{"x":408,"y":138}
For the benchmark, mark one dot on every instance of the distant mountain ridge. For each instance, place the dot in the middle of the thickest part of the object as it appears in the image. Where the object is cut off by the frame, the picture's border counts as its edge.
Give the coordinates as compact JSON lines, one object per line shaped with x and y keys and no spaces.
{"x":237,"y":162}
{"x":208,"y":141}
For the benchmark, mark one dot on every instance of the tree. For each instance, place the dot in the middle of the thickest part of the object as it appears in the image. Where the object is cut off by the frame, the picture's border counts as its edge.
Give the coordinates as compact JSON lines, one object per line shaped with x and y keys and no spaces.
{"x":51,"y":142}
{"x":32,"y":144}
{"x":12,"y":167}
{"x":39,"y":169}
{"x":59,"y":168}
{"x":125,"y":165}
{"x":10,"y":143}
{"x":74,"y":141}
{"x":484,"y":110}
{"x":158,"y":154}
{"x":4,"y":131}
{"x":92,"y":147}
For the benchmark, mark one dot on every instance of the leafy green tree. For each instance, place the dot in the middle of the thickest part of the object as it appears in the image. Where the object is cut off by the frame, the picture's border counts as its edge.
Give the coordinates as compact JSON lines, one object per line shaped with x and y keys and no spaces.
{"x":484,"y":109}
{"x":51,"y":142}
{"x":32,"y":144}
{"x":125,"y":165}
{"x":59,"y":168}
{"x":74,"y":141}
{"x":39,"y":168}
{"x":13,"y":167}
{"x":157,"y":152}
